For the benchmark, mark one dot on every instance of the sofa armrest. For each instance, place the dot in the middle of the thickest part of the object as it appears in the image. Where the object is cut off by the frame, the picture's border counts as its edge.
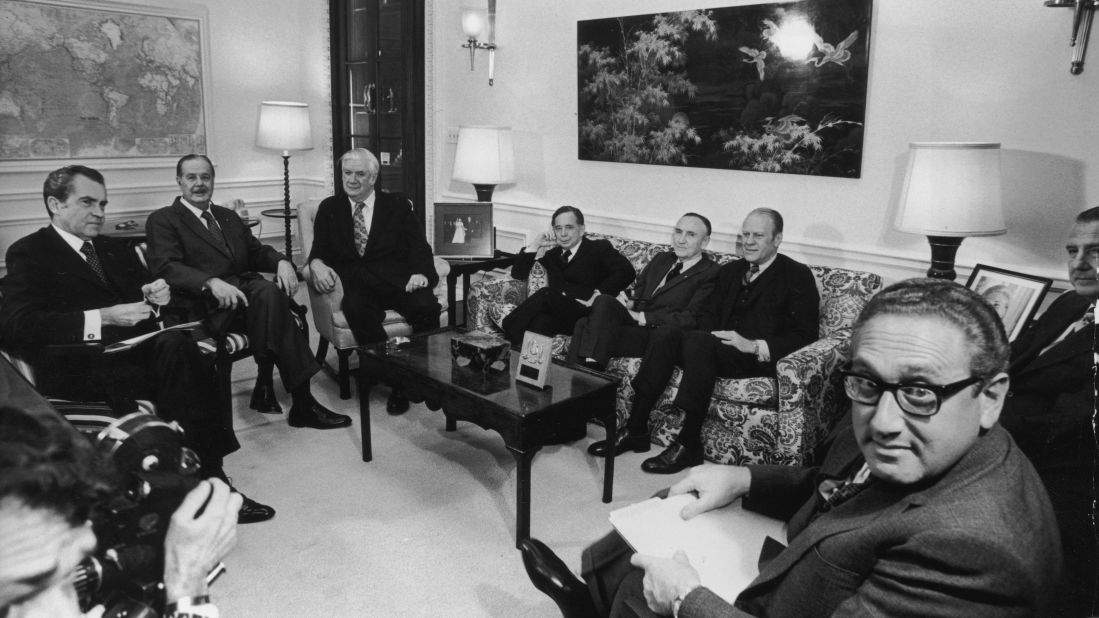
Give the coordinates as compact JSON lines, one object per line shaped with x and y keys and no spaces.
{"x":809,"y":385}
{"x":324,"y":305}
{"x":488,"y":293}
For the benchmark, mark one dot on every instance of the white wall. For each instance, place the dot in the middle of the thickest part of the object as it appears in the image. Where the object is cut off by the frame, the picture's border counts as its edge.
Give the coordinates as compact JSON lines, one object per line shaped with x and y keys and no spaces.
{"x":259,"y":50}
{"x":940,"y":70}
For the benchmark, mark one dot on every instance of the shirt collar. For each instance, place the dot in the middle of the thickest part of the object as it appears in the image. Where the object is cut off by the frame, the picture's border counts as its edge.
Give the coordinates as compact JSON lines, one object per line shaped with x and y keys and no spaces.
{"x":369,"y":201}
{"x":195,"y":210}
{"x":70,"y":239}
{"x":688,"y":264}
{"x":765,"y":265}
{"x":574,"y":248}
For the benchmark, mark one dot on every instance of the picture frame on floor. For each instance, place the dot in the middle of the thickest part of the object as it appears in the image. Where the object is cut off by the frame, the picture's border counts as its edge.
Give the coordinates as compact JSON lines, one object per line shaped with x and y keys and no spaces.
{"x":1015,"y":296}
{"x":464,"y":230}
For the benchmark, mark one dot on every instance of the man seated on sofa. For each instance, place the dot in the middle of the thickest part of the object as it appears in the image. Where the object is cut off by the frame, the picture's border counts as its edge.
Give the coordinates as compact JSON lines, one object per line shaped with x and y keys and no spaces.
{"x":922,"y":505}
{"x":577,"y":271}
{"x":373,"y":242}
{"x":669,"y":292}
{"x":1050,"y":408}
{"x":763,"y":307}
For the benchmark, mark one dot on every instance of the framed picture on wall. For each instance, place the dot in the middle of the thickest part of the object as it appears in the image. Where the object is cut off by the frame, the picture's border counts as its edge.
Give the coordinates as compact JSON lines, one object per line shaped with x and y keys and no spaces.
{"x":1014,"y":296}
{"x":464,"y":230}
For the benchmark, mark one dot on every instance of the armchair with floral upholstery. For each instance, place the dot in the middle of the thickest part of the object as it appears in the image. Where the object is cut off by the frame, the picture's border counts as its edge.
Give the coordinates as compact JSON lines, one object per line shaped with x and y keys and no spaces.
{"x":753,"y":420}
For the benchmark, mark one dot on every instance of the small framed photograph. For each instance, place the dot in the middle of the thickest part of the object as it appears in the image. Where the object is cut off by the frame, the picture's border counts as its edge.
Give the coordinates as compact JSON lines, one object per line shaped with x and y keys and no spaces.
{"x":464,"y":230}
{"x":1013,"y":295}
{"x":535,"y":358}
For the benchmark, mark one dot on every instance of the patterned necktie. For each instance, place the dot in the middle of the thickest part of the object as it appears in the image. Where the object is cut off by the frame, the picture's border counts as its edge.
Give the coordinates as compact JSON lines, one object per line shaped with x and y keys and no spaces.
{"x":844,"y":491}
{"x":753,"y":270}
{"x":93,"y":260}
{"x":215,"y":229}
{"x":677,"y":268}
{"x":361,"y":235}
{"x":565,"y":255}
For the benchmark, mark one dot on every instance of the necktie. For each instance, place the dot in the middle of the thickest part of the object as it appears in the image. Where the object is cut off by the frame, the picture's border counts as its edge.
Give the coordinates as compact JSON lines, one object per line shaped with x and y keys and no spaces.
{"x":674,"y":272}
{"x":565,"y":255}
{"x":361,"y":235}
{"x":1087,"y":320}
{"x":215,"y":229}
{"x":93,"y":260}
{"x":846,"y":489}
{"x":753,"y":270}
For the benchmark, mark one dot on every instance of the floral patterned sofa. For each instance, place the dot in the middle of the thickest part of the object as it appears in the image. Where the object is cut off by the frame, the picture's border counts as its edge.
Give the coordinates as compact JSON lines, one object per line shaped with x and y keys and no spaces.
{"x":753,"y":420}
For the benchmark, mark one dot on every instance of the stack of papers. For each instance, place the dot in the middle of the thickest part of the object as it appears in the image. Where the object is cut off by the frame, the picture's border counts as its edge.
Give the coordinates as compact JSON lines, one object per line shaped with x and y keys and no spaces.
{"x":723,"y":545}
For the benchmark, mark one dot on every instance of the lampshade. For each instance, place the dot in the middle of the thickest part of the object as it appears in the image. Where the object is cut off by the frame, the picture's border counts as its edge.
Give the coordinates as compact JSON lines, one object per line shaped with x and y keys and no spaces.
{"x":952,"y":189}
{"x":484,"y":155}
{"x":473,"y":22}
{"x":284,"y":126}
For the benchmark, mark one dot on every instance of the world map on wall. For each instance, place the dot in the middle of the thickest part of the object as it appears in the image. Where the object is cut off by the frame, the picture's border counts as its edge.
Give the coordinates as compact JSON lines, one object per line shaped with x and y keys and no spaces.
{"x":92,"y":83}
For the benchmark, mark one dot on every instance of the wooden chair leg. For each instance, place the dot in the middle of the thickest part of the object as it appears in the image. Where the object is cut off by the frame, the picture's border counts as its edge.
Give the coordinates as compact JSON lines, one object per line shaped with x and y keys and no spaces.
{"x":322,"y":350}
{"x":344,"y":375}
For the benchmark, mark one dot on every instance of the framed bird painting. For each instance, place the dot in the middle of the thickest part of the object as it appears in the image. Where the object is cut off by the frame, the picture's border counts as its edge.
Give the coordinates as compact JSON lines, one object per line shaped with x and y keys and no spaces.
{"x":777,"y":87}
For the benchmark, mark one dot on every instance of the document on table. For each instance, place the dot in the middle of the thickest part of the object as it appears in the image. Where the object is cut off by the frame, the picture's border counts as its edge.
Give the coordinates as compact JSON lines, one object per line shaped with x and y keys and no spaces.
{"x":723,"y":545}
{"x":126,"y":344}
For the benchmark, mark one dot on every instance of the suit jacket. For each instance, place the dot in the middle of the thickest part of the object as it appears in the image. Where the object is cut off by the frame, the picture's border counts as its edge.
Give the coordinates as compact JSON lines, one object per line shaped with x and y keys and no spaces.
{"x":597,"y":265}
{"x":678,"y":302}
{"x":185,"y":254}
{"x":395,"y":250}
{"x":48,"y":287}
{"x":782,"y":306}
{"x":1049,"y":408}
{"x":980,"y":541}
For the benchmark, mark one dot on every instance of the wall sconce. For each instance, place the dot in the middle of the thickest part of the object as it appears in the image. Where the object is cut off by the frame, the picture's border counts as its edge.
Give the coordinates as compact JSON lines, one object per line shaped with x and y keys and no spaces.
{"x":478,"y":23}
{"x":951,"y":190}
{"x":1082,"y":13}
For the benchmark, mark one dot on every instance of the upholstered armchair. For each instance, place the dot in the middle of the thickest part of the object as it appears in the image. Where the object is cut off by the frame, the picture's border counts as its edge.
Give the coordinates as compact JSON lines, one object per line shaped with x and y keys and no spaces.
{"x":753,"y":420}
{"x":328,"y":317}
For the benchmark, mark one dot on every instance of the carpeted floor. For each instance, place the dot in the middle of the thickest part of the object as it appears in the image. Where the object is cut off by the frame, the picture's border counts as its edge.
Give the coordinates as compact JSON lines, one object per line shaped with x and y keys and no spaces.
{"x":425,"y":529}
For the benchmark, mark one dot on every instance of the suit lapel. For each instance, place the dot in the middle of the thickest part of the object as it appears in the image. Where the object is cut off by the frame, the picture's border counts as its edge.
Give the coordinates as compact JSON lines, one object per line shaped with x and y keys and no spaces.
{"x":69,"y":261}
{"x":729,"y":302}
{"x":1050,"y":326}
{"x":683,"y":276}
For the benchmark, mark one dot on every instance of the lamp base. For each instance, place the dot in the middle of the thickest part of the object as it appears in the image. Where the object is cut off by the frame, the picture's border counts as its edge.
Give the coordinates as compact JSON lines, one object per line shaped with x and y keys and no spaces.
{"x":943,"y":251}
{"x":484,"y":192}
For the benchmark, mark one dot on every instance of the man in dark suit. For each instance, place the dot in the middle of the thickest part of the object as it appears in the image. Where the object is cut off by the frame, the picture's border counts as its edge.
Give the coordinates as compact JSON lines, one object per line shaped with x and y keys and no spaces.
{"x":212,"y":261}
{"x":1050,"y":408}
{"x":669,"y":292}
{"x":66,"y":284}
{"x":763,"y":307}
{"x":373,"y":242}
{"x":578,"y":270}
{"x":922,"y":505}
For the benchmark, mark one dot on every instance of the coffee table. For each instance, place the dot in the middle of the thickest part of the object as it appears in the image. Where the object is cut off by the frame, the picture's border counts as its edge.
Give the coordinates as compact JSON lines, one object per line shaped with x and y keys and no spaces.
{"x":525,"y":417}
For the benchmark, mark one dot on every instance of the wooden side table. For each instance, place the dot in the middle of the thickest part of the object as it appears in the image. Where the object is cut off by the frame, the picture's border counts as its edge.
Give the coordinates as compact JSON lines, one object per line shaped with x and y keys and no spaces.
{"x":280,"y":213}
{"x":465,"y":268}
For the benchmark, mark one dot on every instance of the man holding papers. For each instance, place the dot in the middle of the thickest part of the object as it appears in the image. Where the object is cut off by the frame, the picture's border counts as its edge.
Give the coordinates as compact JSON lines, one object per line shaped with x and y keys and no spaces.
{"x":922,"y":505}
{"x":66,"y":284}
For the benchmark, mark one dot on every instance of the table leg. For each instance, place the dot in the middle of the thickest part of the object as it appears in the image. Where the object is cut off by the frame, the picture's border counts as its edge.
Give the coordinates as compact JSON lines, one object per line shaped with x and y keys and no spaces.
{"x":365,"y":386}
{"x":522,"y":494}
{"x":465,"y":298}
{"x":610,"y":423}
{"x":451,"y":298}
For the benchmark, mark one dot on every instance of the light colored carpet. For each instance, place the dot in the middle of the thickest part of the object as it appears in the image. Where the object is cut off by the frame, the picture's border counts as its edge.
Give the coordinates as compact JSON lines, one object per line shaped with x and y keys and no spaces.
{"x":425,"y":529}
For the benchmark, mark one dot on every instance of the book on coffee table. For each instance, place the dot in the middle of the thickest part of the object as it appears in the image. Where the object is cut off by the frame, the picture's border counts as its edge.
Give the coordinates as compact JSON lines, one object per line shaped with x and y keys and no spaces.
{"x":723,"y":545}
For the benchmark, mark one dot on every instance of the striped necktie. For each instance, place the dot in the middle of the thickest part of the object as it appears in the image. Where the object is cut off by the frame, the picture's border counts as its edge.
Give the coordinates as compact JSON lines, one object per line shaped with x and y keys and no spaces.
{"x":753,"y":270}
{"x":215,"y":229}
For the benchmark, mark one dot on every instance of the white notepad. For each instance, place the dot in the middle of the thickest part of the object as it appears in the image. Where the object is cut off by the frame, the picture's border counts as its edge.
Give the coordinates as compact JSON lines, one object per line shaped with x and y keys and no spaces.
{"x":723,"y":545}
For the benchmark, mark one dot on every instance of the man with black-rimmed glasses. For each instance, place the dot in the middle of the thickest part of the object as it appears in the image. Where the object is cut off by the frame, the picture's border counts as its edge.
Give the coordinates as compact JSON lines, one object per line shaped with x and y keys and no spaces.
{"x":922,"y":505}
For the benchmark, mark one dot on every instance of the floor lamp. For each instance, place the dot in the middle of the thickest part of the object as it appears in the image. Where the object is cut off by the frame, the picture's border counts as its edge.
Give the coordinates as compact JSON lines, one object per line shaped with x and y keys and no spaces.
{"x":284,"y":126}
{"x":951,"y":190}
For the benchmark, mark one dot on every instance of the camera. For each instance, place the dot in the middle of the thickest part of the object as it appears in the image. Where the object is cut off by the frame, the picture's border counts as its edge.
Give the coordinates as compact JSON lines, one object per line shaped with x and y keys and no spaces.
{"x":153,"y":472}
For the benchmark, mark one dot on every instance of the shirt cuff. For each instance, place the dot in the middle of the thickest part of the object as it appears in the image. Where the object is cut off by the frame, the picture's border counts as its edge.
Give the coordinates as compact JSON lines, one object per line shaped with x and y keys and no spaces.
{"x":93,"y":325}
{"x":641,"y":321}
{"x":764,"y":355}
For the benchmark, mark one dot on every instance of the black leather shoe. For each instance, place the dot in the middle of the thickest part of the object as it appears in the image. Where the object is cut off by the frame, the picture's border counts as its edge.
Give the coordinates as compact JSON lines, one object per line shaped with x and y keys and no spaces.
{"x":623,"y":441}
{"x":551,"y":576}
{"x":396,"y":404}
{"x":263,"y":399}
{"x":674,"y":459}
{"x":316,"y":416}
{"x":252,"y":512}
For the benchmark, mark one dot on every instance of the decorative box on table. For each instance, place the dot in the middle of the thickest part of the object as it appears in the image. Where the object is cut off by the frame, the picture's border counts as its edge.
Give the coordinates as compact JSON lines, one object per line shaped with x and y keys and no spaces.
{"x":481,"y":351}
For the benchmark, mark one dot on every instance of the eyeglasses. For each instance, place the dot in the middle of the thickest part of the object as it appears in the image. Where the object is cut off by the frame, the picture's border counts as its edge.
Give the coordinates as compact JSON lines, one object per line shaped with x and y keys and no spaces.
{"x":915,"y":399}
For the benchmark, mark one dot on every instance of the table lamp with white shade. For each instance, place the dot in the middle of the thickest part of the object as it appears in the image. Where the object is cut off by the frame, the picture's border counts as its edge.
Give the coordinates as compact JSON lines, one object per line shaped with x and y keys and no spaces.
{"x":485,"y":157}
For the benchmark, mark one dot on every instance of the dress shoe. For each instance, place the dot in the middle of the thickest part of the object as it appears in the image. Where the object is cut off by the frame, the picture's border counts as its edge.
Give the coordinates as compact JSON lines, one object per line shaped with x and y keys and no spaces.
{"x":396,"y":404}
{"x":263,"y":399}
{"x":674,"y":459}
{"x":316,"y":416}
{"x":550,"y":575}
{"x":252,"y":512}
{"x":623,"y":441}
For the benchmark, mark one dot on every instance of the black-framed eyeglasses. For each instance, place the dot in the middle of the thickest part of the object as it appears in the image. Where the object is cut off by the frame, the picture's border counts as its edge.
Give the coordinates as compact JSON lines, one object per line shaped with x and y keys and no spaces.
{"x":915,"y":399}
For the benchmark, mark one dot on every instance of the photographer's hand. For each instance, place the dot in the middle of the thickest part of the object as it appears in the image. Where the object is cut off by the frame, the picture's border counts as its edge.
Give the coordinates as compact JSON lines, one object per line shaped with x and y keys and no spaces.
{"x":196,"y":543}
